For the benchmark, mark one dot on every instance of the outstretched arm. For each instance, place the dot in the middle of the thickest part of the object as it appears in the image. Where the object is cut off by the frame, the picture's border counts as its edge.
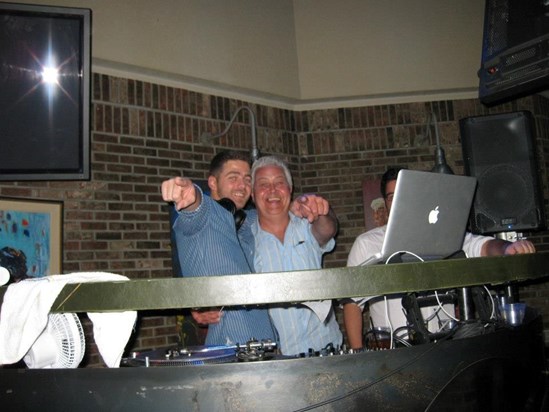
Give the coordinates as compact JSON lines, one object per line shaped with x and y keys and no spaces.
{"x":352,"y":318}
{"x":498,"y":247}
{"x":182,"y":192}
{"x":318,"y":212}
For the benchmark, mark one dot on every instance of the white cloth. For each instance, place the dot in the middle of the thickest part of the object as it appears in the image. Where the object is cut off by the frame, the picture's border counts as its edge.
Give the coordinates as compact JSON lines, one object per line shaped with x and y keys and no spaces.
{"x":25,"y":310}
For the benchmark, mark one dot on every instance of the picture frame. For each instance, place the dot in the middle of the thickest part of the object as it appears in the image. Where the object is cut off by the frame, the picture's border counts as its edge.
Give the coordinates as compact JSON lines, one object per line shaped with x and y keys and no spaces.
{"x":31,"y":235}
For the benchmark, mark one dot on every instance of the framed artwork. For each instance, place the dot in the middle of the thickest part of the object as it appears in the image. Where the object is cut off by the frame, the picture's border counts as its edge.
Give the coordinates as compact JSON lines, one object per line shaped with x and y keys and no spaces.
{"x":31,"y":237}
{"x":375,"y":213}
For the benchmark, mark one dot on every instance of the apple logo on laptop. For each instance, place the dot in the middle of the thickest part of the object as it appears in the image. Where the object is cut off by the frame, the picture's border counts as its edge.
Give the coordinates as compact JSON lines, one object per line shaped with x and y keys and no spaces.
{"x":433,"y":216}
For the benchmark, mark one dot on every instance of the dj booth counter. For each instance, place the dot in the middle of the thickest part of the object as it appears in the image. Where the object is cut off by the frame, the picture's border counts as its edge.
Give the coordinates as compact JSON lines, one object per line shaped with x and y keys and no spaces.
{"x":502,"y":368}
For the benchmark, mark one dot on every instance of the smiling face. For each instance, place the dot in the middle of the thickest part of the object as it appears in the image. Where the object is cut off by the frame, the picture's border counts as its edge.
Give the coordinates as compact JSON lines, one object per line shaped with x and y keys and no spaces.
{"x":271,"y":191}
{"x":233,"y":182}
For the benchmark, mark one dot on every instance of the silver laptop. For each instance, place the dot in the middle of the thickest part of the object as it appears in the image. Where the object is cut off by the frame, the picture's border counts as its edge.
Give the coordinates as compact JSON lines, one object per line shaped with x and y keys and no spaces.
{"x":428,"y":217}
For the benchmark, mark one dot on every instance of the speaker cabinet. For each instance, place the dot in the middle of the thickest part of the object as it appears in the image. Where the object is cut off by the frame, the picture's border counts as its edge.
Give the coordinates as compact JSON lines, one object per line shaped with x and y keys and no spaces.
{"x":499,"y":150}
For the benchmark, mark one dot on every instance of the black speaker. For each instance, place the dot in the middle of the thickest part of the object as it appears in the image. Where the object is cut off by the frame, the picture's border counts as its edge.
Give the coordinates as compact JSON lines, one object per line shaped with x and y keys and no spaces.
{"x":499,"y":150}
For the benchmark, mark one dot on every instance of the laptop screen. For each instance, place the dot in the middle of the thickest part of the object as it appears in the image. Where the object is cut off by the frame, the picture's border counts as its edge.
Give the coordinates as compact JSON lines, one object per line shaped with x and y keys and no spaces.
{"x":429,"y":214}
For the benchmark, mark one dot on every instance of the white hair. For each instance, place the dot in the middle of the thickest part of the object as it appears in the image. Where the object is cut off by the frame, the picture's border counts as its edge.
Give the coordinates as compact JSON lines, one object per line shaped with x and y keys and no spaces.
{"x":377,"y":203}
{"x":272,"y":161}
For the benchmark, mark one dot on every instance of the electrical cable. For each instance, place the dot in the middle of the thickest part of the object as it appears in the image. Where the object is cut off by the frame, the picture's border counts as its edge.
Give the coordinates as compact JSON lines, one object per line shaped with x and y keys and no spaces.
{"x":387,"y":318}
{"x":403,"y":252}
{"x":433,"y":315}
{"x":450,"y":382}
{"x":441,"y":306}
{"x":493,"y":314}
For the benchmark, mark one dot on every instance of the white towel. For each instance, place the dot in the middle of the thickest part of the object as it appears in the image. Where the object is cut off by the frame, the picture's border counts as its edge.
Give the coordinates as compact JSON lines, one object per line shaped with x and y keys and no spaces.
{"x":25,"y":310}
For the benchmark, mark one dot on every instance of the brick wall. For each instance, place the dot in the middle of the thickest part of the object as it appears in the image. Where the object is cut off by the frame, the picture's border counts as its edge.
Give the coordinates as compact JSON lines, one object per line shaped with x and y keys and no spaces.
{"x":339,"y":149}
{"x":143,"y":133}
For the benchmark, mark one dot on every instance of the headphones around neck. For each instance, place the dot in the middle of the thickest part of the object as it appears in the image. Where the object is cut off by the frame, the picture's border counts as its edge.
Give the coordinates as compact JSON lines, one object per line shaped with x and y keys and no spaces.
{"x":238,"y":214}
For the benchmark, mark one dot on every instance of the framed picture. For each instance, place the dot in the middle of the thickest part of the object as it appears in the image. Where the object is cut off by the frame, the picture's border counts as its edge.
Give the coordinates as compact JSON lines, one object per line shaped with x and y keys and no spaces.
{"x":31,"y":237}
{"x":375,"y":213}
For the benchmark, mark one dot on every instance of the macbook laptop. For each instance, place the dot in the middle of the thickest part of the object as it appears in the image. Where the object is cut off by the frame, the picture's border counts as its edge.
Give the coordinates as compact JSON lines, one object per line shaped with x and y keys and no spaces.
{"x":428,"y":217}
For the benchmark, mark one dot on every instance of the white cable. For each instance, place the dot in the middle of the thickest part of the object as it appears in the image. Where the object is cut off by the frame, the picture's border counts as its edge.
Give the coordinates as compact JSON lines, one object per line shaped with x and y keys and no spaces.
{"x":493,"y":314}
{"x":385,"y":297}
{"x":440,"y":304}
{"x":404,"y":251}
{"x":391,"y":341}
{"x":435,"y":314}
{"x":445,"y":322}
{"x":441,"y":322}
{"x":442,"y":307}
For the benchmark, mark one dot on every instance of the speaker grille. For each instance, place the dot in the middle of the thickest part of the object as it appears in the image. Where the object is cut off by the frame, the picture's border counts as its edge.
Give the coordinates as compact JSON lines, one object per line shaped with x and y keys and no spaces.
{"x":499,"y":151}
{"x":504,"y":182}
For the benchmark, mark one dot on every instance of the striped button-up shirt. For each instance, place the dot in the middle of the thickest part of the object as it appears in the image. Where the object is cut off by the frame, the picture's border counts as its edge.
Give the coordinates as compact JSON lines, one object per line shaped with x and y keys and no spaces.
{"x":299,"y":328}
{"x":207,"y":245}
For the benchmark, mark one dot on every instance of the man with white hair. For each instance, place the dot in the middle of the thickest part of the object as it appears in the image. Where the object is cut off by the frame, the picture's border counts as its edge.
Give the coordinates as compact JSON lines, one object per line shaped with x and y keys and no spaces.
{"x":379,"y":211}
{"x":285,"y":241}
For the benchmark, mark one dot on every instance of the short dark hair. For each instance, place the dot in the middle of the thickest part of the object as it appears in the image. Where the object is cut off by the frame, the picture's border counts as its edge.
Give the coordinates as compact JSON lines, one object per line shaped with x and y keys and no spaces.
{"x":390,"y":175}
{"x":223,"y":157}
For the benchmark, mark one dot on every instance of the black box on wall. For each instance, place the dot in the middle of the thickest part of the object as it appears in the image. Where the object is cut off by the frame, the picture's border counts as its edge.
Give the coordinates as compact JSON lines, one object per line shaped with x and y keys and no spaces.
{"x":514,"y":50}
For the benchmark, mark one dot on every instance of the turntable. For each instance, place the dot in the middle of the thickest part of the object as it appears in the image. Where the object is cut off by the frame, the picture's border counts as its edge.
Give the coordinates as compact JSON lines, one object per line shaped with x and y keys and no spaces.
{"x":252,"y":351}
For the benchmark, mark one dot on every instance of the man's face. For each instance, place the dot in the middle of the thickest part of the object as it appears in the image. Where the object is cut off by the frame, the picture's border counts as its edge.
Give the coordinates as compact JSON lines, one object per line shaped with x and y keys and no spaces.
{"x":234,"y":182}
{"x":389,"y":194}
{"x":271,"y":192}
{"x":380,"y":216}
